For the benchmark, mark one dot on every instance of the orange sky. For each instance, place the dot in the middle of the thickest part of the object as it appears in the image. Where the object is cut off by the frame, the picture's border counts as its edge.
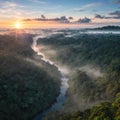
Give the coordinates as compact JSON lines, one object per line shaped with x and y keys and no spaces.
{"x":51,"y":12}
{"x":36,"y":24}
{"x":48,"y":24}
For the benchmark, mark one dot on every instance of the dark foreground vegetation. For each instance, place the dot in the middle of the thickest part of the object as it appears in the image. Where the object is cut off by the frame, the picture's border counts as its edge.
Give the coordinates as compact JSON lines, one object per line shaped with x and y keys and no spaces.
{"x":103,"y":111}
{"x":101,"y":52}
{"x":25,"y":88}
{"x":108,"y":28}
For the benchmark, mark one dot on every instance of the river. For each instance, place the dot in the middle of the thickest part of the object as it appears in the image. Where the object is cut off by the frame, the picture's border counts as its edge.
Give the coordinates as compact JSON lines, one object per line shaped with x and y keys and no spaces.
{"x":64,"y":82}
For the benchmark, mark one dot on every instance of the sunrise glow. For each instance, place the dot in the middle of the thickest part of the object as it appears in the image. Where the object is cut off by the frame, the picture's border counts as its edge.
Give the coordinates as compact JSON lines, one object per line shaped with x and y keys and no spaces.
{"x":18,"y":25}
{"x":53,"y":14}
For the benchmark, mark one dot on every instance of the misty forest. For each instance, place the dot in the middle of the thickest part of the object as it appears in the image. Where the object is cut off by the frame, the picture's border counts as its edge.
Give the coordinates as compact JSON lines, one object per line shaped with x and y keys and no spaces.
{"x":93,"y":64}
{"x":65,"y":74}
{"x":59,"y":59}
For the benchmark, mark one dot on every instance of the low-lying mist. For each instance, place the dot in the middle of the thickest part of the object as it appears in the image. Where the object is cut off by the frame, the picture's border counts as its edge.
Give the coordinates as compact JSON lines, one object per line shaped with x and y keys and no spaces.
{"x":51,"y":54}
{"x":75,"y":99}
{"x":92,"y":71}
{"x":50,"y":69}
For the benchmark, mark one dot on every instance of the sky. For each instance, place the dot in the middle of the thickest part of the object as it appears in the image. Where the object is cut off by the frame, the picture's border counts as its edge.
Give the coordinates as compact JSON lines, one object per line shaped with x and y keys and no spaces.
{"x":59,"y":13}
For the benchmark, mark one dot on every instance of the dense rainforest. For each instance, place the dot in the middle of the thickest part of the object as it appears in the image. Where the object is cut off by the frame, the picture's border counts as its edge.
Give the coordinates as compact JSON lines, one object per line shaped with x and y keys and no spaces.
{"x":26,"y":87}
{"x":103,"y":111}
{"x":100,"y":52}
{"x":108,"y":28}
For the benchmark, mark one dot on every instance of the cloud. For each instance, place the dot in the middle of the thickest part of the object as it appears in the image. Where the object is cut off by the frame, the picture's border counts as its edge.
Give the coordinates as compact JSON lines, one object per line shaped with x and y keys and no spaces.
{"x":10,"y":5}
{"x":112,"y":15}
{"x":70,"y":18}
{"x":102,"y":16}
{"x":88,"y":6}
{"x":99,"y":16}
{"x":42,"y":16}
{"x":10,"y":9}
{"x":38,"y":1}
{"x":91,"y":5}
{"x":84,"y":20}
{"x":117,"y":2}
{"x":62,"y":19}
{"x":115,"y":14}
{"x":79,"y":10}
{"x":13,"y":10}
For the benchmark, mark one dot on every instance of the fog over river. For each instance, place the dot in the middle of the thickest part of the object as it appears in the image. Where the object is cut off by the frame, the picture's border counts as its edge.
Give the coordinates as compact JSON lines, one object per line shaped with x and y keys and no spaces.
{"x":64,"y":74}
{"x":64,"y":81}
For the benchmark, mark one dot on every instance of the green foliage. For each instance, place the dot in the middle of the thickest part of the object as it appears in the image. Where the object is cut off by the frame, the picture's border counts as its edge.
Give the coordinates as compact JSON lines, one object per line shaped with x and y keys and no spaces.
{"x":102,"y":51}
{"x":98,"y":50}
{"x":104,"y":111}
{"x":25,"y":89}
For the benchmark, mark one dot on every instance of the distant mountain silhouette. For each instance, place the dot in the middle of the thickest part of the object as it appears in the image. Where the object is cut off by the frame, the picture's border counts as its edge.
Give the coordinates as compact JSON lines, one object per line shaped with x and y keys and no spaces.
{"x":108,"y":28}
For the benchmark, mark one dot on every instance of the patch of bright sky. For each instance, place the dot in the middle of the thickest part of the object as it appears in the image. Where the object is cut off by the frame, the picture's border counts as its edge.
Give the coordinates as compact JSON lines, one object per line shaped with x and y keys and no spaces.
{"x":67,"y":7}
{"x":56,"y":8}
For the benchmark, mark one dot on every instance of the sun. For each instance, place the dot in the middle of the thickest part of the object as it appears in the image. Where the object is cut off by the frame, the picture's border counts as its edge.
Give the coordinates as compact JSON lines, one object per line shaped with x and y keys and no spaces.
{"x":18,"y":25}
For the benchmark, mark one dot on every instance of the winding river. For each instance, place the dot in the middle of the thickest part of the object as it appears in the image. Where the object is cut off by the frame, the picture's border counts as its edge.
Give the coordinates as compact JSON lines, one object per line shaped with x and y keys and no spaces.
{"x":64,"y":82}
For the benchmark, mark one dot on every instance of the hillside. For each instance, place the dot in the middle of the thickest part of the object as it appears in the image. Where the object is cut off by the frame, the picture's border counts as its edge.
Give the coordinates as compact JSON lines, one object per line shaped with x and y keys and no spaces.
{"x":94,"y":64}
{"x":108,"y":28}
{"x":103,"y":111}
{"x":26,"y":87}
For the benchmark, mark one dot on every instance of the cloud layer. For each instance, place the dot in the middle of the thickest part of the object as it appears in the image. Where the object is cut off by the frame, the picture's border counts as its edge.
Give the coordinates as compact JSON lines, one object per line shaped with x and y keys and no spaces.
{"x":117,"y":2}
{"x":115,"y":14}
{"x":62,"y":19}
{"x":111,"y":15}
{"x":88,"y":6}
{"x":80,"y":12}
{"x":84,"y":20}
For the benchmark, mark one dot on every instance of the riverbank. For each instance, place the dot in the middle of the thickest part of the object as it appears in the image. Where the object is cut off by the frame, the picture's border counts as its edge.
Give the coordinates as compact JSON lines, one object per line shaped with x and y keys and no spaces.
{"x":64,"y":82}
